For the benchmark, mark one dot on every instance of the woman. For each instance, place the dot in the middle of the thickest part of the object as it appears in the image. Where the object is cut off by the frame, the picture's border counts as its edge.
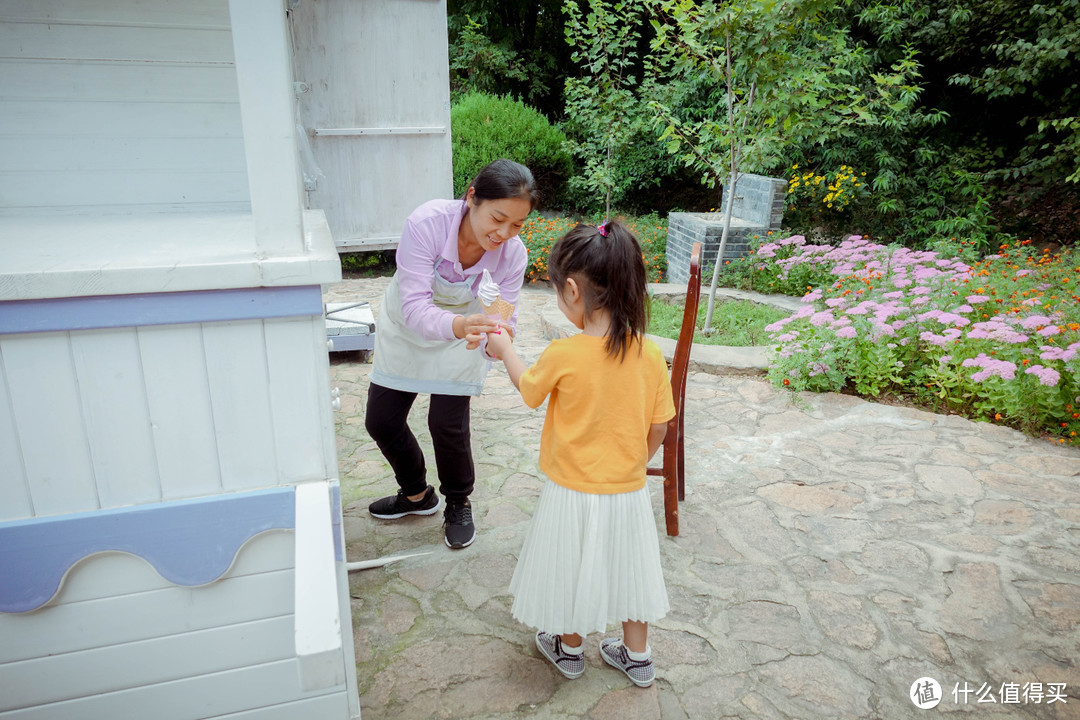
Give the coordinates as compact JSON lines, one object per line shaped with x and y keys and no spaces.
{"x":431,"y":334}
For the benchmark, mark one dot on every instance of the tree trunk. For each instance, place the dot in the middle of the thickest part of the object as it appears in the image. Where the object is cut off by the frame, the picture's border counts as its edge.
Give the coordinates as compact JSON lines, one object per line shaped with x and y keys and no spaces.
{"x":728,"y":205}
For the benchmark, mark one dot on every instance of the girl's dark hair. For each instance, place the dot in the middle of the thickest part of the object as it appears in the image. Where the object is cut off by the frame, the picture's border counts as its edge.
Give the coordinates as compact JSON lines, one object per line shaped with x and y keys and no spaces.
{"x":610,"y":271}
{"x":504,"y":179}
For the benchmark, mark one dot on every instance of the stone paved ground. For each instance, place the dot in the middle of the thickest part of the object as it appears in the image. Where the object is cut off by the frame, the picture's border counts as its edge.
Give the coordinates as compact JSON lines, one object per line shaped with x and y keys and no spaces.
{"x":832,"y":551}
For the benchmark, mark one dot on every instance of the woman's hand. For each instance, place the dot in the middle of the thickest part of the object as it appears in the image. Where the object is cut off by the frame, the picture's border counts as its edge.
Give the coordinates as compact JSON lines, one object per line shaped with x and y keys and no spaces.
{"x":473,"y":328}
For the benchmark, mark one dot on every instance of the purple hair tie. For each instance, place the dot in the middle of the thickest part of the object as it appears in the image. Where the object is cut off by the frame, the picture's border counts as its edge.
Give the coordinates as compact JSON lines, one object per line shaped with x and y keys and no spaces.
{"x":602,"y":229}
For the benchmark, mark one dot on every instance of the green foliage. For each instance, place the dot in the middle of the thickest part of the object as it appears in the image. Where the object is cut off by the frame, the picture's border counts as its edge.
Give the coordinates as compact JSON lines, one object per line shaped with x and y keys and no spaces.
{"x":368,"y":264}
{"x":963,"y":113}
{"x":478,"y":64}
{"x":737,"y":323}
{"x":541,"y":233}
{"x":1027,"y":53}
{"x":525,"y":38}
{"x":486,"y":128}
{"x":604,"y":115}
{"x":995,"y":131}
{"x":760,"y":76}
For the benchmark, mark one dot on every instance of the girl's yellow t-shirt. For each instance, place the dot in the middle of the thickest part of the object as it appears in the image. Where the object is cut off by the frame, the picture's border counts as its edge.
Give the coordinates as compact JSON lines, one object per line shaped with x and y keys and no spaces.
{"x":595,"y":436}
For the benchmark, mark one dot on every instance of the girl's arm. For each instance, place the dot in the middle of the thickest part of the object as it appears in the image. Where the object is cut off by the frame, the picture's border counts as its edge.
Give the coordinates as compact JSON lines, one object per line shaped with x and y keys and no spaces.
{"x":500,"y":347}
{"x":657,"y":433}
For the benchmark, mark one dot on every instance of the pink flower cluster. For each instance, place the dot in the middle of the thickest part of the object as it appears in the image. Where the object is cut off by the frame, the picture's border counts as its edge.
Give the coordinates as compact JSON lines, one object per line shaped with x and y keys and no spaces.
{"x":1049,"y":352}
{"x":924,"y":296}
{"x":1047,"y":376}
{"x":990,"y":366}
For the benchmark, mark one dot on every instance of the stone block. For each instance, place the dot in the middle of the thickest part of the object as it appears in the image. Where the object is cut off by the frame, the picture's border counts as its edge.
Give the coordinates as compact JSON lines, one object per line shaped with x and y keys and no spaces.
{"x":758,"y":207}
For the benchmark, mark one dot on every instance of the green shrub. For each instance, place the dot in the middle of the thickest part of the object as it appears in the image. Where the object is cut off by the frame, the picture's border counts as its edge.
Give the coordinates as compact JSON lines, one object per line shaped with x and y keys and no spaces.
{"x":487,"y":127}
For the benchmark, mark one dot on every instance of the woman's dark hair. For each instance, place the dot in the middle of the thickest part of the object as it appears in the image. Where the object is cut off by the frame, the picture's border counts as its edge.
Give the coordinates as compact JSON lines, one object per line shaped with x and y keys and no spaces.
{"x":504,"y":179}
{"x":607,"y":265}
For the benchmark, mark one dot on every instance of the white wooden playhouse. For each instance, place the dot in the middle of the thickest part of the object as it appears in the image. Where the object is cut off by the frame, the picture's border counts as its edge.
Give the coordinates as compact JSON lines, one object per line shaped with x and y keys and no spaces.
{"x":170,"y":535}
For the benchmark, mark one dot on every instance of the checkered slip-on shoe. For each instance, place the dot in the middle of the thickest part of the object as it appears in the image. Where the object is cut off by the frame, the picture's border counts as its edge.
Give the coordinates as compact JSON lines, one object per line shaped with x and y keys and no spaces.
{"x":572,"y":666}
{"x":615,"y":654}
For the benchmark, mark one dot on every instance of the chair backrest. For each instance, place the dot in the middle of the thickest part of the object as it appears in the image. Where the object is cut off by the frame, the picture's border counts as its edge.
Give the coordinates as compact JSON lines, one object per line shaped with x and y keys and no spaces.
{"x":680,"y":362}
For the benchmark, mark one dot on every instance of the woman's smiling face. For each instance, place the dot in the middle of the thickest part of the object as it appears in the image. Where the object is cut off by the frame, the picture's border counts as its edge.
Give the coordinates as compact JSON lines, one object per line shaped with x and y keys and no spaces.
{"x":493,"y":222}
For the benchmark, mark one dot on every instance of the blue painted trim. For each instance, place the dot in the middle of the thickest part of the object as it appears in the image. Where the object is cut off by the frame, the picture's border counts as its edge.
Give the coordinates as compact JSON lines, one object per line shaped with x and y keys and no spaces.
{"x":189,"y":542}
{"x":111,"y":311}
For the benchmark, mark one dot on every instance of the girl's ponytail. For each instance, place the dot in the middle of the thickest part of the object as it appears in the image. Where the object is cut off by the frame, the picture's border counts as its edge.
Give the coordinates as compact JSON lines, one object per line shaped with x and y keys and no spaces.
{"x":606,"y":261}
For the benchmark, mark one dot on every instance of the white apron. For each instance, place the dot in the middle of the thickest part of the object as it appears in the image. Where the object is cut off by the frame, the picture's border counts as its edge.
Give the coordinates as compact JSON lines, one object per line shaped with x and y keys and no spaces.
{"x":406,"y":361}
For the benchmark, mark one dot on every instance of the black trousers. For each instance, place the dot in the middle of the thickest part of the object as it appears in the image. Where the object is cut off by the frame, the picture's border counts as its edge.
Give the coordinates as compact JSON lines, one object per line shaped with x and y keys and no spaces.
{"x":387,"y":421}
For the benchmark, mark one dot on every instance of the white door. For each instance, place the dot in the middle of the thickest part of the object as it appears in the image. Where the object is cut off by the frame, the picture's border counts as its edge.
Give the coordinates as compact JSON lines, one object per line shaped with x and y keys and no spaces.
{"x":373,"y":93}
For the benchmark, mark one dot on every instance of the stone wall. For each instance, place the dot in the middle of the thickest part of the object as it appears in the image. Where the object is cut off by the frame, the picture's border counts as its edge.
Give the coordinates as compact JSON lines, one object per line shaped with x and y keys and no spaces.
{"x":758,"y":208}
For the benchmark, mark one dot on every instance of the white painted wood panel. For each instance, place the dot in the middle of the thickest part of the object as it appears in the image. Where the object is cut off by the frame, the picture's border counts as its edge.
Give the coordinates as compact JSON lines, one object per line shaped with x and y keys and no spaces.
{"x":267,"y":109}
{"x":190,"y":251}
{"x":317,"y":708}
{"x":14,"y":489}
{"x":47,"y":40}
{"x":326,"y":411}
{"x":145,"y":662}
{"x":97,"y":189}
{"x":377,"y":63}
{"x":297,"y":399}
{"x":377,"y":183}
{"x":103,"y":82}
{"x":202,"y":156}
{"x":203,"y":697}
{"x":151,"y":70}
{"x":167,"y":412}
{"x":239,"y":393}
{"x":108,"y":575}
{"x":177,"y":391}
{"x":318,"y":626}
{"x":112,"y":392}
{"x":376,"y":49}
{"x":40,"y":376}
{"x":70,"y":119}
{"x":73,"y":627}
{"x":348,"y":649}
{"x":201,"y":13}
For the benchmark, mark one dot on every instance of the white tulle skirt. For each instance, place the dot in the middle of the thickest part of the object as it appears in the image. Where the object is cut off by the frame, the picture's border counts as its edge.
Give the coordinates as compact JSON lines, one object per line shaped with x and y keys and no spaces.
{"x":589,"y":562}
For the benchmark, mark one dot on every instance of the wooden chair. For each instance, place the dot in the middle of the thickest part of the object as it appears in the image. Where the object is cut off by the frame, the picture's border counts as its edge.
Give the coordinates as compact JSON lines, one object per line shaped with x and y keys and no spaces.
{"x":673,"y":470}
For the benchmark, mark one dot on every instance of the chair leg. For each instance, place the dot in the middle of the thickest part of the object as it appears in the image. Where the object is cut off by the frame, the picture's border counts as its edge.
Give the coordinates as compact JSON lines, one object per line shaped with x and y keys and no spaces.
{"x":671,"y":503}
{"x":680,"y":470}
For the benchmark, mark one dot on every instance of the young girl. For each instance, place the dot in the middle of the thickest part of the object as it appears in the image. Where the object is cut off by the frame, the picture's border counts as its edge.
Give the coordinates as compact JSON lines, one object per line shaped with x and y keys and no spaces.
{"x":591,"y":556}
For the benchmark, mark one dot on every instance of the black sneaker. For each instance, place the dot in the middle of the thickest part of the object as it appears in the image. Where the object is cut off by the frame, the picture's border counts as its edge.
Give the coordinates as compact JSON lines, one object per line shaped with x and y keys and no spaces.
{"x":395,"y":506}
{"x":640,"y":672}
{"x":458,"y":524}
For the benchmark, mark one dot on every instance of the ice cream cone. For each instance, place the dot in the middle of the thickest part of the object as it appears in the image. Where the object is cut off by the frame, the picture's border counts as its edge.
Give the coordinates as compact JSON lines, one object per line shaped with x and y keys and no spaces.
{"x":500,"y":308}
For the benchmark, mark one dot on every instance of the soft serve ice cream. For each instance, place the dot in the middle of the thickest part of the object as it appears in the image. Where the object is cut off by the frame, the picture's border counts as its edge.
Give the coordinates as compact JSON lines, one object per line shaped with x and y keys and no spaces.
{"x":488,"y":293}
